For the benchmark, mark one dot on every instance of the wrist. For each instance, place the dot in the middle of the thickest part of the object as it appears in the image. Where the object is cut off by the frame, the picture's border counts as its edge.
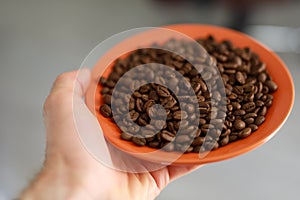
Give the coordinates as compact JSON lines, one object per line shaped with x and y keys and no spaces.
{"x":58,"y":181}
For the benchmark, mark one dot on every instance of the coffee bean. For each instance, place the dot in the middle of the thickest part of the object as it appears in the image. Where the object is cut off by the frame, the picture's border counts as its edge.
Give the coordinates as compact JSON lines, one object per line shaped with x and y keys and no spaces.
{"x":126,"y":136}
{"x":248,"y":107}
{"x":169,"y":147}
{"x":240,"y":78}
{"x":178,"y":115}
{"x":249,"y":120}
{"x":239,"y":112}
{"x":245,"y":132}
{"x":162,"y":91}
{"x":249,"y":115}
{"x":259,"y":120}
{"x":139,"y":105}
{"x":107,"y":99}
{"x":102,"y":80}
{"x":167,"y":136}
{"x":263,"y":111}
{"x":236,"y":105}
{"x":224,"y":141}
{"x":253,"y":127}
{"x":183,"y":139}
{"x":105,"y":110}
{"x":239,"y":124}
{"x":271,"y":85}
{"x":154,"y":144}
{"x":139,"y":141}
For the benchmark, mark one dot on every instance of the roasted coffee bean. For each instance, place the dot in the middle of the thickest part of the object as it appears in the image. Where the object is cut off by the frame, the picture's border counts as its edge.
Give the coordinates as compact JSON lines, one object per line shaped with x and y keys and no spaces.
{"x":154,"y":144}
{"x":162,"y":91}
{"x":134,"y":115}
{"x":248,"y":107}
{"x":139,"y":141}
{"x":183,"y":139}
{"x":107,"y":99}
{"x":178,"y":115}
{"x":249,"y":120}
{"x":105,"y":110}
{"x":253,"y":127}
{"x":236,"y":105}
{"x":239,"y":124}
{"x":169,"y":147}
{"x":259,"y":120}
{"x":167,"y":136}
{"x":240,"y":78}
{"x":224,"y":140}
{"x":271,"y":85}
{"x":239,"y":112}
{"x":245,"y":132}
{"x":249,"y":115}
{"x":263,"y":111}
{"x":126,"y":136}
{"x":259,"y":103}
{"x":247,"y":96}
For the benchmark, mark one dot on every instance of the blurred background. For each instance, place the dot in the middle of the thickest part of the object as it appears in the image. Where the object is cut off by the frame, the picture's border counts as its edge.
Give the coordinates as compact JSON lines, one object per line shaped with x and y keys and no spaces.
{"x":40,"y":39}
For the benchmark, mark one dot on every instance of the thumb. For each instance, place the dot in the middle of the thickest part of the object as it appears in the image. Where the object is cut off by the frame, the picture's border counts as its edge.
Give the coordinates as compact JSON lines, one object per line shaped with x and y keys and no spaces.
{"x":74,"y":81}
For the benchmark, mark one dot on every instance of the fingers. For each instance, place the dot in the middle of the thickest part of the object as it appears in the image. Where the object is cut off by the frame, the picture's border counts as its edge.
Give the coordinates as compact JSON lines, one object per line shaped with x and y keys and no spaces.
{"x":75,"y":81}
{"x":178,"y":171}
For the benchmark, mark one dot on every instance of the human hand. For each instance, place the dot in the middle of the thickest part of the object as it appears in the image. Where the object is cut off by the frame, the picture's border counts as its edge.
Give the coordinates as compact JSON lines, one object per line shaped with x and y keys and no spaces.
{"x":70,"y":172}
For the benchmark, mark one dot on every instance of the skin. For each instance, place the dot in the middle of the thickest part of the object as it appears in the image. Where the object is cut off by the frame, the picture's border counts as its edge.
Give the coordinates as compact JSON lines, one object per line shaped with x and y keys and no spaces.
{"x":70,"y":172}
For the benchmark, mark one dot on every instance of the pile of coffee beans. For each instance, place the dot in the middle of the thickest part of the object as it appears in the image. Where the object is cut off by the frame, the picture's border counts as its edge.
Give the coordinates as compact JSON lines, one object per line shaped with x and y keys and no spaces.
{"x":224,"y":116}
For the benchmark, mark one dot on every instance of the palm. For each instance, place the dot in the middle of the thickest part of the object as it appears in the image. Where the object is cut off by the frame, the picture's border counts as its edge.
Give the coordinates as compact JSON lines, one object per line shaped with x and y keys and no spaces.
{"x":64,"y":144}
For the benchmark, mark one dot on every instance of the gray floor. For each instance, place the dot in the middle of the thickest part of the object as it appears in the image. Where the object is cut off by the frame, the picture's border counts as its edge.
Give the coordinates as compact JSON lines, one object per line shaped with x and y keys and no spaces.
{"x":39,"y":40}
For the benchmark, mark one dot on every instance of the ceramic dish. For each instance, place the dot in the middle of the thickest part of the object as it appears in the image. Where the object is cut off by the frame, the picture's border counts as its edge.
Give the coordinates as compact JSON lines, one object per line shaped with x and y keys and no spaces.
{"x":275,"y":118}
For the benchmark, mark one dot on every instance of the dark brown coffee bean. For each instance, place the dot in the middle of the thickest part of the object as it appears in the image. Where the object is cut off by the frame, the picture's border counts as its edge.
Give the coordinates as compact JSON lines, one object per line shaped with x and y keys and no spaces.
{"x":169,"y":147}
{"x":126,"y":136}
{"x":224,"y":141}
{"x":259,"y":120}
{"x":262,"y":77}
{"x":198,"y":141}
{"x":240,"y":78}
{"x":159,"y":123}
{"x":253,"y":127}
{"x":245,"y":132}
{"x":271,"y":85}
{"x":239,"y":124}
{"x":248,"y":107}
{"x":190,"y":108}
{"x":148,"y":105}
{"x":227,"y":132}
{"x":183,"y":139}
{"x":233,"y":138}
{"x":178,"y":115}
{"x":154,"y":144}
{"x":259,"y":103}
{"x":249,"y":115}
{"x":268,"y":102}
{"x":134,"y":115}
{"x":249,"y":120}
{"x":102,"y":80}
{"x":139,"y":105}
{"x":263,"y":111}
{"x":139,"y":141}
{"x":167,"y":136}
{"x":239,"y":112}
{"x":236,"y":105}
{"x":107,"y":99}
{"x":162,"y":91}
{"x":105,"y":110}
